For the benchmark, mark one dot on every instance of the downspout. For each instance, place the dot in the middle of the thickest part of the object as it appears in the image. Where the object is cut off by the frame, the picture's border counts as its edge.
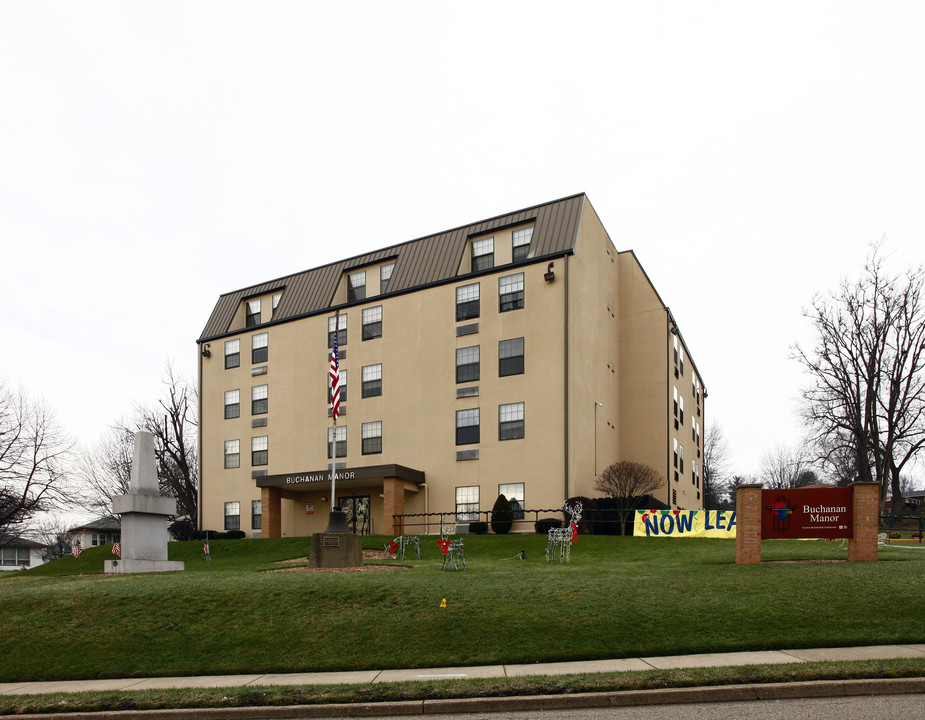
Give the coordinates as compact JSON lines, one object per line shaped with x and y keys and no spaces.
{"x":199,"y":440}
{"x":565,"y":383}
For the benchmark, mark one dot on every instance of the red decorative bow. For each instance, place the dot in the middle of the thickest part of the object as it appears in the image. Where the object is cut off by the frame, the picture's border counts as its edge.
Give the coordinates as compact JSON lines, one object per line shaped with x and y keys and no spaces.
{"x":574,"y":533}
{"x":392,"y":546}
{"x":444,"y":545}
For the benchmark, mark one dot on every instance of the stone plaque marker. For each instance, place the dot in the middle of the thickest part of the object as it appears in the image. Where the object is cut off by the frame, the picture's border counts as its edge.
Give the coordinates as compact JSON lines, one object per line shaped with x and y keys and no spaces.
{"x":144,"y":513}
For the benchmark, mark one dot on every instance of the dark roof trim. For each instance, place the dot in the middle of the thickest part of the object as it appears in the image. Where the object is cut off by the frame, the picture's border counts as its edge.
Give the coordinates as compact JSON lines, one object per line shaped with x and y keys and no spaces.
{"x":317,"y":477}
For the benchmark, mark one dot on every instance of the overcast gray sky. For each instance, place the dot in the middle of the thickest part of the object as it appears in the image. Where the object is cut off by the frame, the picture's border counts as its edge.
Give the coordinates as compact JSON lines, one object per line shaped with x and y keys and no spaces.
{"x":154,"y":155}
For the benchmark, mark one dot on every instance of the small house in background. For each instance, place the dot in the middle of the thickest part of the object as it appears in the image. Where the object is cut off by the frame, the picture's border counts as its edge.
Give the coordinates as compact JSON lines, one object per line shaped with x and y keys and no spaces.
{"x":913,"y":502}
{"x":19,"y":553}
{"x":102,"y":531}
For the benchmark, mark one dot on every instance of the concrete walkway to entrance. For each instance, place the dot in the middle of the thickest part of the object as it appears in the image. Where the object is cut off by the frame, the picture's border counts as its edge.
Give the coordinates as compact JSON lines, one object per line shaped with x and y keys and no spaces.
{"x":369,"y":677}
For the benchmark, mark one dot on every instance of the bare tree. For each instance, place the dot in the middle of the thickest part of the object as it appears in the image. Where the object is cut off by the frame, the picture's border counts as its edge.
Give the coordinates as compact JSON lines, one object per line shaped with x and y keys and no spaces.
{"x":715,"y":463}
{"x":867,"y":368}
{"x":106,"y":468}
{"x":626,"y":480}
{"x":785,"y":467}
{"x":33,"y":454}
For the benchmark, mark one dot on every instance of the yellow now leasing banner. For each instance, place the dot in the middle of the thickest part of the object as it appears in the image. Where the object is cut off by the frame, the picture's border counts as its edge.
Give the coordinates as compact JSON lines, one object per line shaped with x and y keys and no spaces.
{"x":685,"y":523}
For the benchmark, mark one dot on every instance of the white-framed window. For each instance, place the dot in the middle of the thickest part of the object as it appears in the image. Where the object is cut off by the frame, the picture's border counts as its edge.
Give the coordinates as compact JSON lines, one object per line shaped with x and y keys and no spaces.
{"x":681,"y":408}
{"x":467,"y":302}
{"x":15,"y":556}
{"x":385,"y":275}
{"x":260,"y":347}
{"x":483,"y":254}
{"x":372,"y":380}
{"x":342,"y":386}
{"x":356,"y":286}
{"x":232,"y":454}
{"x":467,"y":426}
{"x":372,"y":437}
{"x":256,"y":514}
{"x":340,"y":321}
{"x":511,"y":292}
{"x":467,"y":364}
{"x":259,"y":399}
{"x":372,"y":322}
{"x":521,"y":243}
{"x":676,"y":453}
{"x":252,"y":318}
{"x":232,"y":516}
{"x":467,"y":503}
{"x":681,"y":468}
{"x":232,"y":404}
{"x":514,"y":492}
{"x":232,"y":354}
{"x":341,"y":441}
{"x":511,"y":357}
{"x":259,"y":450}
{"x":276,"y":298}
{"x":511,"y":421}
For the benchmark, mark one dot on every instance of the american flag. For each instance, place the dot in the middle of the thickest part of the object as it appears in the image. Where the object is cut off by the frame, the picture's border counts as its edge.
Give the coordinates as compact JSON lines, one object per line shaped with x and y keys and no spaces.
{"x":116,"y":549}
{"x":334,"y":375}
{"x":77,"y":549}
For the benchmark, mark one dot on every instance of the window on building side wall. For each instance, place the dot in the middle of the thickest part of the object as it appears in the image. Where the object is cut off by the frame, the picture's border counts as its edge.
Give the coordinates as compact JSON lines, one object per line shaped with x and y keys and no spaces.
{"x":232,"y":404}
{"x":511,"y":421}
{"x":260,"y":348}
{"x":467,"y":503}
{"x":342,"y":386}
{"x":232,"y":354}
{"x":467,"y":302}
{"x":467,"y":364}
{"x":372,"y":380}
{"x":372,"y":437}
{"x":232,"y":516}
{"x":372,"y":322}
{"x":511,"y":292}
{"x":341,"y":322}
{"x":356,"y":286}
{"x":514,"y":492}
{"x":467,"y":426}
{"x":256,"y":514}
{"x":232,"y":454}
{"x":341,"y":441}
{"x":511,"y":357}
{"x":259,"y":451}
{"x":521,"y":243}
{"x":259,"y":399}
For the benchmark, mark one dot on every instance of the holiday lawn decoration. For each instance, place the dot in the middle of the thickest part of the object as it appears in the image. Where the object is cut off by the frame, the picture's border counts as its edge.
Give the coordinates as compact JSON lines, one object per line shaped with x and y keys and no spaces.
{"x":454,"y":552}
{"x":561,"y":539}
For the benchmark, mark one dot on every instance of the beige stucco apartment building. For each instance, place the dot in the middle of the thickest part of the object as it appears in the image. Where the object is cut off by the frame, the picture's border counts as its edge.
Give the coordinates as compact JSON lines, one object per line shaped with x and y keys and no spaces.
{"x":521,"y":355}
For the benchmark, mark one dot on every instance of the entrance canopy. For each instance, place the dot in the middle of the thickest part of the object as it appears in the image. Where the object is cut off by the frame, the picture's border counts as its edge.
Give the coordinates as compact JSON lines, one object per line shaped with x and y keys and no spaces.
{"x":346,"y":477}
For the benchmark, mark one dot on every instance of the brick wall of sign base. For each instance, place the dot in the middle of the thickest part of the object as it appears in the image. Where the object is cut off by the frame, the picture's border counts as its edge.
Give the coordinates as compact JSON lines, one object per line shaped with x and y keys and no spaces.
{"x":863,"y":546}
{"x":748,"y":524}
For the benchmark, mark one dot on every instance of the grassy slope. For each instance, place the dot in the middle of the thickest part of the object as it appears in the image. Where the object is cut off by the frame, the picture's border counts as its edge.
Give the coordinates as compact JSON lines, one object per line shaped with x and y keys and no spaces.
{"x":617,"y":597}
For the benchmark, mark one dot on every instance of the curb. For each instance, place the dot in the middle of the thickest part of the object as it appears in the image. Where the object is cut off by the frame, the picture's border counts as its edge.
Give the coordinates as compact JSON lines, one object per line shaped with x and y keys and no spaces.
{"x":627,"y":698}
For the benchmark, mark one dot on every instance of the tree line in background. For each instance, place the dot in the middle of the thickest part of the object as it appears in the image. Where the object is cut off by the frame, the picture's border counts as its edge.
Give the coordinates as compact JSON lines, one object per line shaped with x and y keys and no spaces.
{"x":43,"y":473}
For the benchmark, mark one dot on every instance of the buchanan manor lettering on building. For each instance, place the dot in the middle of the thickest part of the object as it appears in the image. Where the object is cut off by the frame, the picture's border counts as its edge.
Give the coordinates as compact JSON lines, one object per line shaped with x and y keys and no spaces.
{"x":519,"y":355}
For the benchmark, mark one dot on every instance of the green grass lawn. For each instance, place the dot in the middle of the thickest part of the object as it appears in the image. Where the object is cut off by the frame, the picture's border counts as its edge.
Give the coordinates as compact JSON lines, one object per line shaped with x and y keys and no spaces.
{"x":618,"y":597}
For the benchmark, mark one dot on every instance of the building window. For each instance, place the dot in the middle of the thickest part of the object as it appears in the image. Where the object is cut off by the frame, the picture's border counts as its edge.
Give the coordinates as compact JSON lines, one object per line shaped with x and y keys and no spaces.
{"x":676,"y":453}
{"x":232,"y":516}
{"x":511,"y":357}
{"x":675,"y":406}
{"x":681,"y":408}
{"x":511,"y":292}
{"x":253,"y":313}
{"x":341,"y":326}
{"x":232,"y":354}
{"x":232,"y":404}
{"x":259,"y":348}
{"x":681,"y":353}
{"x":15,"y":556}
{"x":467,"y":364}
{"x":97,"y":539}
{"x":511,"y":421}
{"x":356,"y":286}
{"x":341,"y":441}
{"x":521,"y":243}
{"x":467,"y":503}
{"x":372,"y":437}
{"x":681,"y":467}
{"x":259,"y":396}
{"x":259,"y":451}
{"x":385,"y":274}
{"x":372,"y":380}
{"x":483,"y":254}
{"x":256,"y":514}
{"x":342,"y":386}
{"x":467,"y":302}
{"x":372,"y":322}
{"x":232,"y":454}
{"x":514,"y":492}
{"x":467,"y":426}
{"x":276,"y":298}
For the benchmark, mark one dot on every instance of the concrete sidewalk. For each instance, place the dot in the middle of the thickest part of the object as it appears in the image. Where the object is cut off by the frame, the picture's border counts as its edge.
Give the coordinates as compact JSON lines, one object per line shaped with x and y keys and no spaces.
{"x":370,"y":677}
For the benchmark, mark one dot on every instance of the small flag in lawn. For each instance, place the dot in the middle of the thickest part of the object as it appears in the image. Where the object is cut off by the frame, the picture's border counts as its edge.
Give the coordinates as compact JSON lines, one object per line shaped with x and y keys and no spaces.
{"x":205,"y":549}
{"x":334,"y":376}
{"x":116,"y":549}
{"x":77,"y":549}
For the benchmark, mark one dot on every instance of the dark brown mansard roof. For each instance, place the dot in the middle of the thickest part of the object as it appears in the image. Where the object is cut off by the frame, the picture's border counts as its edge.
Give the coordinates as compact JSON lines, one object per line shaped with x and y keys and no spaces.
{"x":418,"y":263}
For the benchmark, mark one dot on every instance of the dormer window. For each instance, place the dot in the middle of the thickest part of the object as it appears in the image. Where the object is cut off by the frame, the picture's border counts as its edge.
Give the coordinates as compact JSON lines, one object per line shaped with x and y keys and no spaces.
{"x":356,"y":286}
{"x":385,"y":274}
{"x":521,"y":243}
{"x":483,"y":254}
{"x":276,"y":298}
{"x":253,"y":313}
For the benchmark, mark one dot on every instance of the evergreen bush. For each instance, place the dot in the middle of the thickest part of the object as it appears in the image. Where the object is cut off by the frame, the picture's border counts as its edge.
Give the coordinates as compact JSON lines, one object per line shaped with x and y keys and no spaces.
{"x":502,"y":516}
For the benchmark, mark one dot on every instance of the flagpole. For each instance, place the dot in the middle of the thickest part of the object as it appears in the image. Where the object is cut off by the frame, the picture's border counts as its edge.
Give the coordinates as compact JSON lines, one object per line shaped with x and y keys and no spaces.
{"x":334,"y":467}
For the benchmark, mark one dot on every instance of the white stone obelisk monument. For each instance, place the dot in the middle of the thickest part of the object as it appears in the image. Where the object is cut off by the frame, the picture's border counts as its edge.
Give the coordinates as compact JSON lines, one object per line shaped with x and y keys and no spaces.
{"x":144,"y":514}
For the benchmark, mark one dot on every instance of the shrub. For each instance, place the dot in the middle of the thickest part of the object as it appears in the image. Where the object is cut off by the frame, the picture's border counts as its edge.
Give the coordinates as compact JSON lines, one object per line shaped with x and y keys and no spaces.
{"x":895,"y":535}
{"x":182,"y":529}
{"x":544,"y":525}
{"x":502,"y":517}
{"x":235,"y":534}
{"x":478,"y":528}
